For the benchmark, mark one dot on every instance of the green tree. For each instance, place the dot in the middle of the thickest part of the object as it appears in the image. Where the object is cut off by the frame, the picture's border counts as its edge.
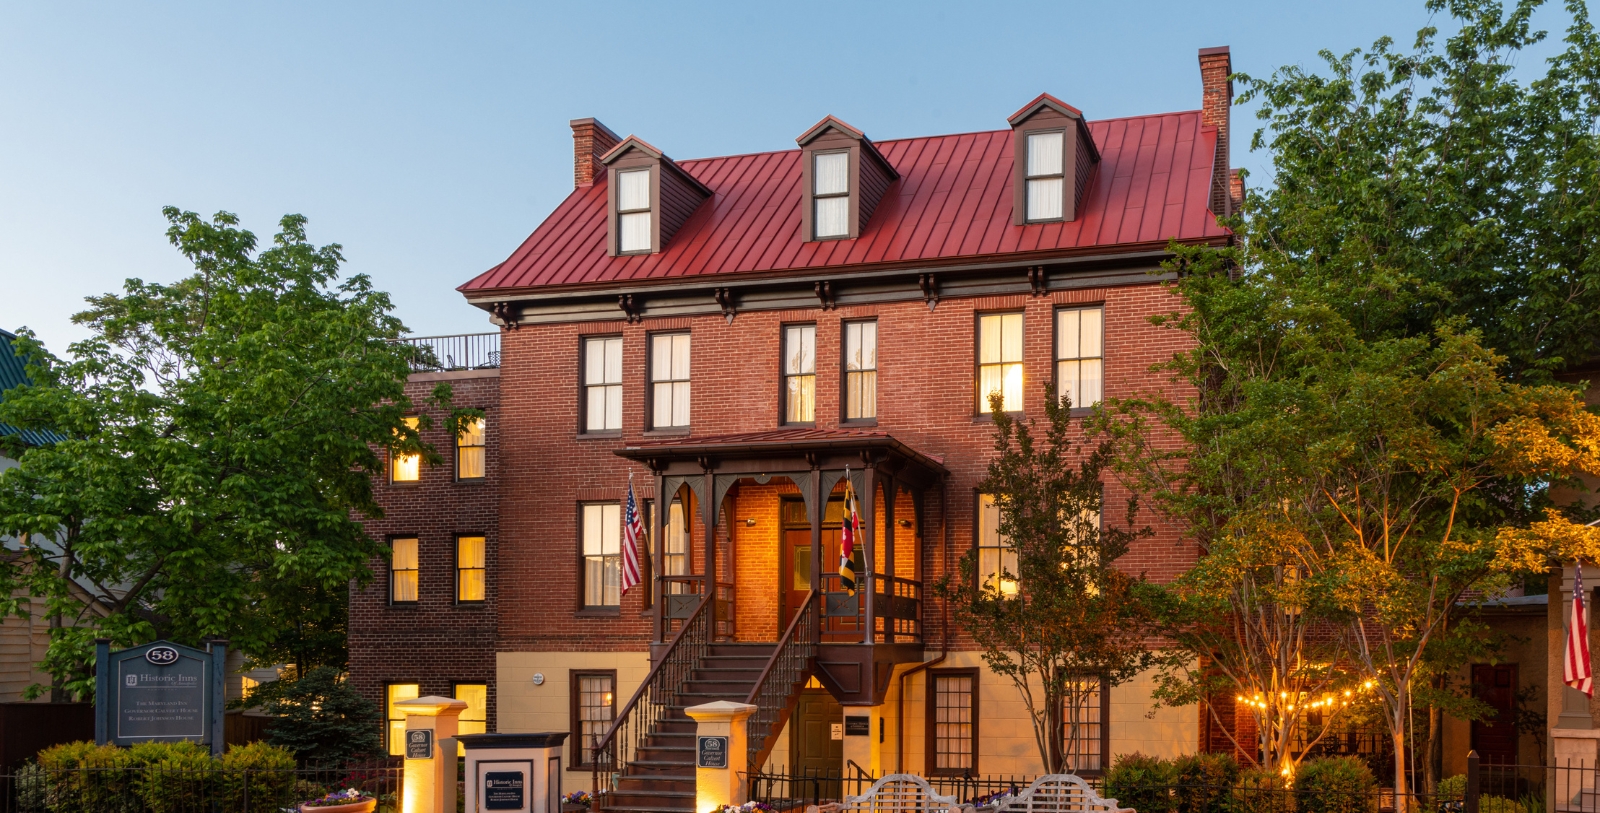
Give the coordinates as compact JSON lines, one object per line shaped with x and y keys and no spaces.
{"x":221,"y":437}
{"x":322,"y":720}
{"x":1056,"y":616}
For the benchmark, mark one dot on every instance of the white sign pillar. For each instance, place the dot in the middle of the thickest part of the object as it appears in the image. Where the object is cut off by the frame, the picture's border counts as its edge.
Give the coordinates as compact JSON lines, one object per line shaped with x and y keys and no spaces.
{"x":721,"y":757}
{"x":430,"y":752}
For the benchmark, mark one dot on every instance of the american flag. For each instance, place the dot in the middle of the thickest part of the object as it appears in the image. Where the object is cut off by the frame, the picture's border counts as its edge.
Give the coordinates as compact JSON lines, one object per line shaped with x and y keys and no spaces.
{"x":632,"y":532}
{"x":1576,"y":672}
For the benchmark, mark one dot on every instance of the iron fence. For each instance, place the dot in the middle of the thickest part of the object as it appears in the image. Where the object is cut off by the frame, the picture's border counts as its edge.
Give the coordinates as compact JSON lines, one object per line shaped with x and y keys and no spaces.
{"x":165,"y":788}
{"x":467,"y":351}
{"x":787,"y":789}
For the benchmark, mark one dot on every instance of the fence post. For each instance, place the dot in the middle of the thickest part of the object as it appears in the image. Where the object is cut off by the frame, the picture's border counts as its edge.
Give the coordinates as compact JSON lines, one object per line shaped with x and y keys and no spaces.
{"x":1471,"y":802}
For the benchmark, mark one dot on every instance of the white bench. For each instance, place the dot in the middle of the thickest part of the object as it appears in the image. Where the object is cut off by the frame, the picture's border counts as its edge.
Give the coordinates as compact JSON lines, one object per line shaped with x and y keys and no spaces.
{"x":898,"y":793}
{"x":1060,"y":793}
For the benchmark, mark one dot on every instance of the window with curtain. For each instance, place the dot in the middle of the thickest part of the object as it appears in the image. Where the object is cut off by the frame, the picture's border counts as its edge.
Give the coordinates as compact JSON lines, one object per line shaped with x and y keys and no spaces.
{"x":633,"y":210}
{"x":1046,"y":180}
{"x":594,"y":704}
{"x":953,"y":722}
{"x":1080,"y":369}
{"x":470,"y":450}
{"x":860,"y":370}
{"x":602,"y":550}
{"x":669,"y":381}
{"x":403,"y":571}
{"x":474,"y":718}
{"x":1083,"y":719}
{"x":1000,"y":360}
{"x":800,"y":373}
{"x":997,"y":560}
{"x":602,"y":384}
{"x":469,"y":568}
{"x":405,"y":468}
{"x":830,"y":193}
{"x":396,"y":721}
{"x":675,"y":548}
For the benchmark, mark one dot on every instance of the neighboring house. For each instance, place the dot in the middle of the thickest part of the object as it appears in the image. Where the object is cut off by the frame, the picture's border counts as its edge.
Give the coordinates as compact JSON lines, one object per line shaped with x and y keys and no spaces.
{"x":734,"y":333}
{"x":1574,"y":720}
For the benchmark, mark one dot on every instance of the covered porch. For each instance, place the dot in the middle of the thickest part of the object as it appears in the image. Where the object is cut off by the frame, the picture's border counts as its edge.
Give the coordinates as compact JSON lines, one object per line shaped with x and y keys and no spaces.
{"x":756,"y":520}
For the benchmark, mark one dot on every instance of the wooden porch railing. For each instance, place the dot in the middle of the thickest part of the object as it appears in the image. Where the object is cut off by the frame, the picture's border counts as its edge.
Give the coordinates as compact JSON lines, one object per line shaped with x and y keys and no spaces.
{"x":651,"y":703}
{"x":893,"y":615}
{"x":774,"y":692}
{"x":681,"y":594}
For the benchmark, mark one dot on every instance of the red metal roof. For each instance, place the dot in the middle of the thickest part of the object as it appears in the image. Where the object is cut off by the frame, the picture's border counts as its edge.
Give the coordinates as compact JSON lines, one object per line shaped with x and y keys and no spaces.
{"x":953,"y":201}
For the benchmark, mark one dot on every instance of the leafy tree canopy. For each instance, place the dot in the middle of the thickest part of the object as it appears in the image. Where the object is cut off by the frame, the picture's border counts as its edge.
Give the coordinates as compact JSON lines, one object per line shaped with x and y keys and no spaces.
{"x":222,"y":433}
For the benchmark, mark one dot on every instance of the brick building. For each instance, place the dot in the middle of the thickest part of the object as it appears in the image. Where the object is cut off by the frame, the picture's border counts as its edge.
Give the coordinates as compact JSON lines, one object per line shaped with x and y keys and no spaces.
{"x":734,"y":335}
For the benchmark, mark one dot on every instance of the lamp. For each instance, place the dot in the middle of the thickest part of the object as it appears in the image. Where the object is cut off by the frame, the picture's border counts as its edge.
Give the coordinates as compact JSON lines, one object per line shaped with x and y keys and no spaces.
{"x":750,"y":522}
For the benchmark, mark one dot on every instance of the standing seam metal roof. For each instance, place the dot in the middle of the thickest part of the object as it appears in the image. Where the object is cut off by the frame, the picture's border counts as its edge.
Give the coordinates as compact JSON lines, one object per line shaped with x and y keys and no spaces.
{"x":13,"y":372}
{"x":953,"y":200}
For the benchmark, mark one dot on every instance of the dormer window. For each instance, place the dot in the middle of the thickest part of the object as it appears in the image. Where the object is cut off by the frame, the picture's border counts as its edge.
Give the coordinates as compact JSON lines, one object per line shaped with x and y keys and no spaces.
{"x":1046,"y":177}
{"x":633,"y":211}
{"x":831,"y":193}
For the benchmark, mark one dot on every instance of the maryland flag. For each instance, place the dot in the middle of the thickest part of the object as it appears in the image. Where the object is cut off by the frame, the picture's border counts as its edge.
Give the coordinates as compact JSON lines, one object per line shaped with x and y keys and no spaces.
{"x":847,"y":541}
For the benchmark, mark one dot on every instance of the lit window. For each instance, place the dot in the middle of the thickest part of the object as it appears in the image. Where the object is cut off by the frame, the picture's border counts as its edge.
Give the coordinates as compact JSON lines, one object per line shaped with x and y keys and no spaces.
{"x":1082,"y":726}
{"x":403,"y":571}
{"x":406,"y":468}
{"x":602,"y":549}
{"x":602,"y":384}
{"x":594,"y":705}
{"x":800,"y":373}
{"x":633,"y":210}
{"x":1080,"y":370}
{"x":831,"y":194}
{"x":1000,"y":360}
{"x":247,"y":686}
{"x":470,"y":450}
{"x":1045,"y":177}
{"x":469,"y":568}
{"x":953,"y":721}
{"x":474,"y":718}
{"x":675,"y":550}
{"x":860,"y":370}
{"x":669,"y":380}
{"x":997,"y":559}
{"x":394,"y":693}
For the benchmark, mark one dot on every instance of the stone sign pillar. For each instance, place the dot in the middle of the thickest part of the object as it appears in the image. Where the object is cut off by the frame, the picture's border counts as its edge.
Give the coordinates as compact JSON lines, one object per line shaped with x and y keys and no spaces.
{"x":721,"y":757}
{"x":861,"y":727}
{"x":430,"y":772}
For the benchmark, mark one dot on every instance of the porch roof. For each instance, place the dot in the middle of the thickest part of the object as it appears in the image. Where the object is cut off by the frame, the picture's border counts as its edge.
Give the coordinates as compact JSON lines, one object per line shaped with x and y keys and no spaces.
{"x":782,"y":443}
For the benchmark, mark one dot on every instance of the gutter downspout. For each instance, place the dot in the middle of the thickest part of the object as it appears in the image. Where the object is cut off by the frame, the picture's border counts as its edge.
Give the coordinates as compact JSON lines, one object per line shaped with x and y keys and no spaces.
{"x":944,"y":650}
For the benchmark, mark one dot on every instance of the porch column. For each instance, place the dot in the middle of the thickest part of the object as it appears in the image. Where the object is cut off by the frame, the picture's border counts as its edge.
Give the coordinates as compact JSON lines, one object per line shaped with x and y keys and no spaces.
{"x":658,"y":532}
{"x":888,"y":554}
{"x":818,"y":506}
{"x":708,"y":517}
{"x":869,"y":549}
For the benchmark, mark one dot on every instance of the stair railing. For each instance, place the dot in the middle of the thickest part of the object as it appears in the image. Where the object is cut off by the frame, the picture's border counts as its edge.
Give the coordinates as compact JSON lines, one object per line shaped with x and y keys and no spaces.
{"x":775,"y":691}
{"x":651,"y":703}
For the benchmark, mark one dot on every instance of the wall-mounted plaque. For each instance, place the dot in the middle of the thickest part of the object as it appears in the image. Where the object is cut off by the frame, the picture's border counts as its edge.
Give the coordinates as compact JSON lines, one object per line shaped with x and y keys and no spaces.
{"x":419,"y":744}
{"x":504,"y":790}
{"x":857,"y":726}
{"x":712,"y":753}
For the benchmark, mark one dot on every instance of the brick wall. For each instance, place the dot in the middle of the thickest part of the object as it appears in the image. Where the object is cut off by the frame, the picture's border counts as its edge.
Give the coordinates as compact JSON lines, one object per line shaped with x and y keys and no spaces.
{"x":1215,"y":66}
{"x":435,"y":643}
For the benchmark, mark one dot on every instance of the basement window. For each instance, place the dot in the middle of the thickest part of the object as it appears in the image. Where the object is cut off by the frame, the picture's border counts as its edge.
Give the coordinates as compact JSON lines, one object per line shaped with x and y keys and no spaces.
{"x":831,"y":194}
{"x":633,"y":211}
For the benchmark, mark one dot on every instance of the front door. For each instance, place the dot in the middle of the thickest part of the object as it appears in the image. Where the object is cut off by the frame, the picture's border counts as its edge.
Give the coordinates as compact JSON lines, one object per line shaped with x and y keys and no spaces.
{"x":1495,"y":739}
{"x":816,"y":738}
{"x":796,"y":570}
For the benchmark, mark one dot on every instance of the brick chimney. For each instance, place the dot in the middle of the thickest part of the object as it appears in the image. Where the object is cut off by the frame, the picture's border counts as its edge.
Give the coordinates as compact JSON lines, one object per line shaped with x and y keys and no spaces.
{"x":1215,"y":66}
{"x":590,"y":140}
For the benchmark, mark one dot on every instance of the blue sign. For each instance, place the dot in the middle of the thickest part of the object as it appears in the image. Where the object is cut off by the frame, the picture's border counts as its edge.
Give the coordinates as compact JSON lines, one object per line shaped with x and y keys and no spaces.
{"x":502,"y":790}
{"x":159,"y":692}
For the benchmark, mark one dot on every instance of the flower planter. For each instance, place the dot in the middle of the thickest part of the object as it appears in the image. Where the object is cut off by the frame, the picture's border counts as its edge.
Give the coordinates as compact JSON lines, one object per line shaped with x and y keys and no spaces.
{"x":363,"y":806}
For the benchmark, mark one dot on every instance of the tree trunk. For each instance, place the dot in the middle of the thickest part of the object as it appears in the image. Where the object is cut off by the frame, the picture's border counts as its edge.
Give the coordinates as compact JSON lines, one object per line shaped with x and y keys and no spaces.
{"x":1435,"y":749}
{"x":1052,"y":733}
{"x":1401,"y":805}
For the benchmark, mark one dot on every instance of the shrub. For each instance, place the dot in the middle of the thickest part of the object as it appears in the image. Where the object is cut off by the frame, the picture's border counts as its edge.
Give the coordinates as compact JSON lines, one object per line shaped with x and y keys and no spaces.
{"x":1335,"y":785}
{"x":322,"y":719}
{"x":1140,"y":782}
{"x":1262,"y":790}
{"x":1498,"y":804}
{"x":1454,"y":787}
{"x":169,"y":777}
{"x":1203,"y":782}
{"x":259,"y":778}
{"x":33,"y":789}
{"x":85,"y":776}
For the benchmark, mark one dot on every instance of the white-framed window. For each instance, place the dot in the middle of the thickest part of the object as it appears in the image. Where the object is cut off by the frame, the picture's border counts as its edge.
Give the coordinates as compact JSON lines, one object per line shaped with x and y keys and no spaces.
{"x":602,"y":554}
{"x":1046,"y":178}
{"x":602,"y":384}
{"x":800,"y":374}
{"x":1080,"y":365}
{"x":830,"y":194}
{"x":1000,"y":360}
{"x":997,"y":559}
{"x":669,"y":381}
{"x":860,"y":370}
{"x":633,"y":211}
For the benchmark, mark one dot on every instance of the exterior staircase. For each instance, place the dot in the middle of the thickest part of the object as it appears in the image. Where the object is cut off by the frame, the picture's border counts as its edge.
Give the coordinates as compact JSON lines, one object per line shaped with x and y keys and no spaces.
{"x":661,"y":777}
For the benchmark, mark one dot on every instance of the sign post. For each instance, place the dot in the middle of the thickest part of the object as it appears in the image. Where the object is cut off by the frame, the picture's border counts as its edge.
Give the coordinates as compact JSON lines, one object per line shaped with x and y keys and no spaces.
{"x":159,"y":692}
{"x":430,"y":767}
{"x":720,"y":759}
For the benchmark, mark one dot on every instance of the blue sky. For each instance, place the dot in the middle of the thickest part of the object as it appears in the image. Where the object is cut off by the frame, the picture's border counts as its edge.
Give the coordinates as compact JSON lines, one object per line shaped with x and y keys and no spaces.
{"x":429,"y":140}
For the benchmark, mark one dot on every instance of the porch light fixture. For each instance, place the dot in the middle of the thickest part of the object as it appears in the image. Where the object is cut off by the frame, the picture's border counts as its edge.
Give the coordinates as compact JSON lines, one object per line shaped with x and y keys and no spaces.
{"x":750,"y":522}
